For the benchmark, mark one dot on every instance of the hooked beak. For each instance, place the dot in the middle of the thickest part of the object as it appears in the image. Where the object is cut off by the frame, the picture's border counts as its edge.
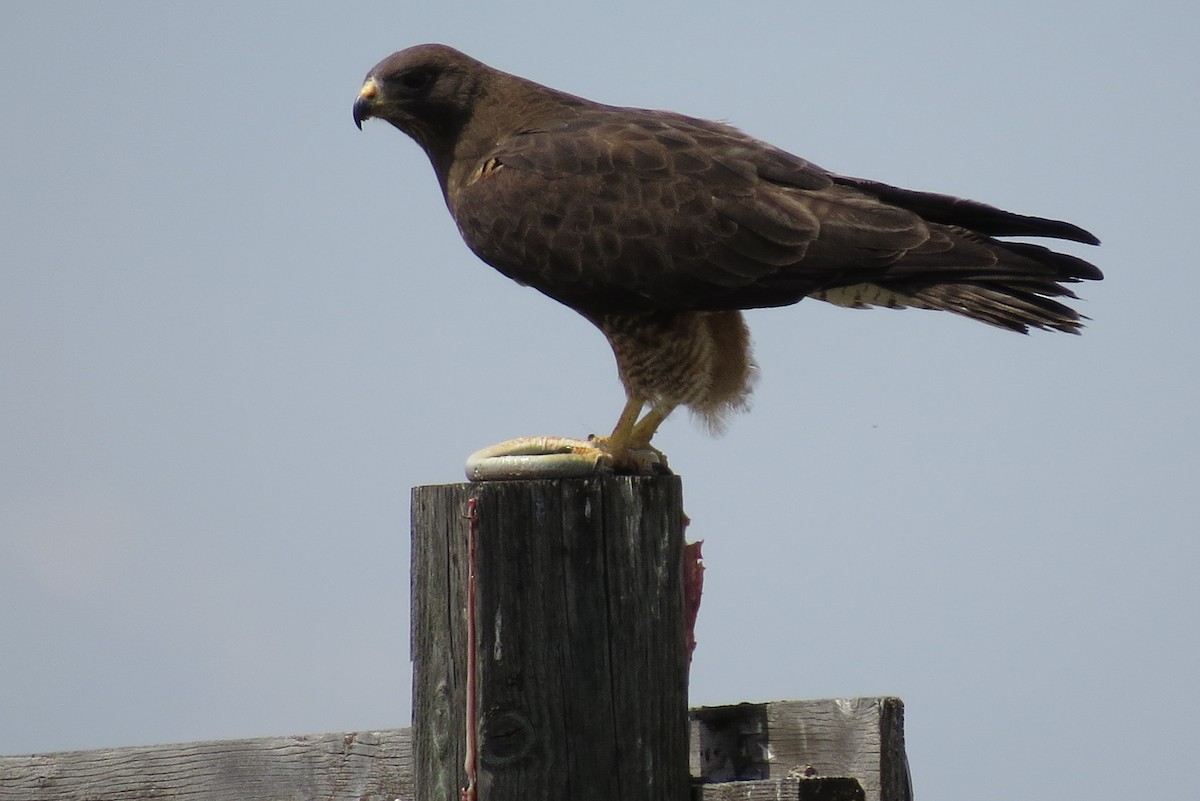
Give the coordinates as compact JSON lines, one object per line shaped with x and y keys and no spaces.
{"x":365,"y":104}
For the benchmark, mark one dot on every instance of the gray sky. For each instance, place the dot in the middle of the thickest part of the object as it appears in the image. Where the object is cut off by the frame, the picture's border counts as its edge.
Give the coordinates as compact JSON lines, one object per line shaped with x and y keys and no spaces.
{"x":234,"y":331}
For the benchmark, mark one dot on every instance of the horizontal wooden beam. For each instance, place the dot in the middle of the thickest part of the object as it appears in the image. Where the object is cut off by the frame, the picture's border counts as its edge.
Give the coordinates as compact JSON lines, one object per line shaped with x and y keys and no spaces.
{"x":801,"y":750}
{"x":858,"y":737}
{"x":795,"y":789}
{"x":374,"y":765}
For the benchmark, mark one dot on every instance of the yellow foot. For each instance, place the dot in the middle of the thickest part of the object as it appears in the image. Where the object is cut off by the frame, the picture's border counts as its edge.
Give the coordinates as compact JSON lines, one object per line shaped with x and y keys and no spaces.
{"x":560,"y":457}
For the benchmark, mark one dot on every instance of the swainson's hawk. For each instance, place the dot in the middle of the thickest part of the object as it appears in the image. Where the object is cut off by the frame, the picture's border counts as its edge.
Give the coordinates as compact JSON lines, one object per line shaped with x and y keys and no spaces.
{"x":660,"y":228}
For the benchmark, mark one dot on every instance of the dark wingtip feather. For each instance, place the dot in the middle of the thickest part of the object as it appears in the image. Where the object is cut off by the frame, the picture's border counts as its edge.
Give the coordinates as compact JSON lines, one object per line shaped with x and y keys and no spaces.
{"x":1056,"y":229}
{"x":1066,"y":266}
{"x":970,"y":214}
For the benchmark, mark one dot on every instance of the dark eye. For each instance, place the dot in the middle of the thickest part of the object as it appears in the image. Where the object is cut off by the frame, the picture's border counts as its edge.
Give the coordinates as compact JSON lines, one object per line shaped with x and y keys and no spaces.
{"x":415,"y":80}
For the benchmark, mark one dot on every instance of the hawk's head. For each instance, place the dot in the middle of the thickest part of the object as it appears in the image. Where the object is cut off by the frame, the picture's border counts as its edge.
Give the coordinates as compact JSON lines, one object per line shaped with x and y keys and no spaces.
{"x":427,"y":91}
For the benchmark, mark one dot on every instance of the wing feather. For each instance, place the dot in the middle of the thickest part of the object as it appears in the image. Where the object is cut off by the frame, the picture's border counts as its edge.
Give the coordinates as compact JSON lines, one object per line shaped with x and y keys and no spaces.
{"x":620,"y":210}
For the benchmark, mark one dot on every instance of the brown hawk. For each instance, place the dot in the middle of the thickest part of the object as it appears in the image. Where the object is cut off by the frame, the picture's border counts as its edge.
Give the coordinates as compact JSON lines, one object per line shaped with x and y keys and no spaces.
{"x":660,"y":228}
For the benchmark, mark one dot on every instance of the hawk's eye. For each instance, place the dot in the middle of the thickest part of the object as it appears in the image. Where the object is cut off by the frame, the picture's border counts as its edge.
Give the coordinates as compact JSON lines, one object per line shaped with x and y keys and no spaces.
{"x":415,"y":80}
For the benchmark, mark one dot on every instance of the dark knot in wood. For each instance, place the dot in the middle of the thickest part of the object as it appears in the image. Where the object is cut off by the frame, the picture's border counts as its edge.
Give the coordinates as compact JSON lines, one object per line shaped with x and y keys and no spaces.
{"x":507,"y":737}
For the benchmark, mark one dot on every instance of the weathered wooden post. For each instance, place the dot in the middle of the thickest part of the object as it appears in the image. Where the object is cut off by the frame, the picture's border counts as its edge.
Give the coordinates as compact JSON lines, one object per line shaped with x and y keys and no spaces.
{"x":580,"y":662}
{"x":580,"y":682}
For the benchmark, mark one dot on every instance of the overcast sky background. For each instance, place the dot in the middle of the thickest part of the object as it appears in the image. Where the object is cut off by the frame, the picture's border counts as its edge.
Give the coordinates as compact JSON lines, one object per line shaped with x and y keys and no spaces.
{"x":234,"y":331}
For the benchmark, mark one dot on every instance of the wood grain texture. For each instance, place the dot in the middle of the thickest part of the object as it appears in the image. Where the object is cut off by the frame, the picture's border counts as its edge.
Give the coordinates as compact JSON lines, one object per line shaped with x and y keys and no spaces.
{"x":815,"y":789}
{"x":364,"y":766}
{"x":582,"y":671}
{"x":856,"y":737}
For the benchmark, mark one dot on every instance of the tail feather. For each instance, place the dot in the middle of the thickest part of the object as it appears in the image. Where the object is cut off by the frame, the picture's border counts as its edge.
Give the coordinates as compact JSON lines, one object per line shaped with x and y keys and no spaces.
{"x":1015,"y":307}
